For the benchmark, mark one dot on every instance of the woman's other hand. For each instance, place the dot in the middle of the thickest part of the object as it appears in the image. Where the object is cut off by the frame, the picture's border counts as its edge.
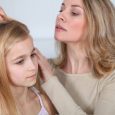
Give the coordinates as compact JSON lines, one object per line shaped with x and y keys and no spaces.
{"x":46,"y":71}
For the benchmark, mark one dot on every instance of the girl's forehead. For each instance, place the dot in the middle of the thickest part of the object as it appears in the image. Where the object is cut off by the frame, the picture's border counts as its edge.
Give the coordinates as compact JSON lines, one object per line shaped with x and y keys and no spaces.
{"x":24,"y":47}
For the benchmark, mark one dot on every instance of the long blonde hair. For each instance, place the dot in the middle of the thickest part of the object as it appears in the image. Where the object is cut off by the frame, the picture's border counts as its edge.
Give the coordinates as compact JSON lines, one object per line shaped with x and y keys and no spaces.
{"x":11,"y":31}
{"x":100,"y":15}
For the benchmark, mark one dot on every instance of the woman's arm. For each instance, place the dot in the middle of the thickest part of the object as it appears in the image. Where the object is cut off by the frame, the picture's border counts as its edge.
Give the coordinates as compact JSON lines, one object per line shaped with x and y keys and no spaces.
{"x":59,"y":96}
{"x":106,"y":103}
{"x":66,"y":106}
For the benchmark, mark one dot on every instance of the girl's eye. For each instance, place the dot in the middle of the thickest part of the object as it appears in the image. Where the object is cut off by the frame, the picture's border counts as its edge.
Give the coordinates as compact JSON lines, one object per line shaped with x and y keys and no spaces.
{"x":20,"y":62}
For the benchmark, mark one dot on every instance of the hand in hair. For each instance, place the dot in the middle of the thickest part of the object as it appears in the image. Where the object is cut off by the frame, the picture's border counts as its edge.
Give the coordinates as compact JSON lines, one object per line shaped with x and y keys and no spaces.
{"x":2,"y":14}
{"x":45,"y":69}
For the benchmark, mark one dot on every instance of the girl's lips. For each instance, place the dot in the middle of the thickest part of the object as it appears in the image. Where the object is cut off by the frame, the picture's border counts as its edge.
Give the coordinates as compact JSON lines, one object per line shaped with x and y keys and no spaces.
{"x":32,"y":76}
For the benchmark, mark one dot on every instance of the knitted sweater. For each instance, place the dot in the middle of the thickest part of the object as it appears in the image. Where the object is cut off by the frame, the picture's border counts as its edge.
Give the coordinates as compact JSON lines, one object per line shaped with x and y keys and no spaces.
{"x":81,"y":94}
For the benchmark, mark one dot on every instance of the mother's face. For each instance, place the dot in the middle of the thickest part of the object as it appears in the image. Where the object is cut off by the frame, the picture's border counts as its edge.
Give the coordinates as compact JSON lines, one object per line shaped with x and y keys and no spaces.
{"x":71,"y":22}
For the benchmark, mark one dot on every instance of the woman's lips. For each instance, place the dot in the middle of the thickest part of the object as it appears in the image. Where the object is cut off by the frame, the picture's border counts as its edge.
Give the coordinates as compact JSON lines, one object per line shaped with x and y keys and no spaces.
{"x":60,"y":28}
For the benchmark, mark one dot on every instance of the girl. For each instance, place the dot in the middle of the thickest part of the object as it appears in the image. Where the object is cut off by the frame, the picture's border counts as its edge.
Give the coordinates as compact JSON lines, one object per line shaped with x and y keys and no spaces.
{"x":18,"y":73}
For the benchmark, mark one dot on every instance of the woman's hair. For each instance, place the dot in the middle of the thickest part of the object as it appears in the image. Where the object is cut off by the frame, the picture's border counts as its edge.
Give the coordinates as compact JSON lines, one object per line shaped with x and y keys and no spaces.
{"x":11,"y":32}
{"x":100,"y":15}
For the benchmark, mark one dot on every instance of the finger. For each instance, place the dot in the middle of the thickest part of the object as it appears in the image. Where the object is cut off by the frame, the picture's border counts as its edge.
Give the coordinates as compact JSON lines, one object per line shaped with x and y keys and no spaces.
{"x":38,"y":52}
{"x":40,"y":73}
{"x":2,"y":12}
{"x":3,"y":16}
{"x":40,"y":63}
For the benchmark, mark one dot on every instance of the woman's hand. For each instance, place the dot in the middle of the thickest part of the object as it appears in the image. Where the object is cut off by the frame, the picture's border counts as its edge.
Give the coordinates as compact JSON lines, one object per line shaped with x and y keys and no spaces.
{"x":46,"y":71}
{"x":2,"y":14}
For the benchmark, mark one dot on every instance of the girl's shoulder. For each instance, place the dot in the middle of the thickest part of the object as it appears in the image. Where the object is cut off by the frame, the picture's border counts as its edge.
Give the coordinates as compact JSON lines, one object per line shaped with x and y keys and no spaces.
{"x":45,"y":101}
{"x":48,"y":104}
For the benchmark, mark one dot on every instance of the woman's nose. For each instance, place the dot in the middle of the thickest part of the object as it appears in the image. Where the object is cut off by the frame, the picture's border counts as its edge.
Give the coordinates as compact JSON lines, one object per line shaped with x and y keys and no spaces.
{"x":61,"y":16}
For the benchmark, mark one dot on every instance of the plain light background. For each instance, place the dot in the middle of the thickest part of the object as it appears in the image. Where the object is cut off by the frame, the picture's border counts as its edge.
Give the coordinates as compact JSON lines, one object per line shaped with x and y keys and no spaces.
{"x":39,"y":16}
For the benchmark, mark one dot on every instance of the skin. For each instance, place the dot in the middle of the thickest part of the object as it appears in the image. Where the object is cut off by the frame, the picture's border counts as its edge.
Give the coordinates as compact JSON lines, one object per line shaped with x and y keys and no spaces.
{"x":22,"y":59}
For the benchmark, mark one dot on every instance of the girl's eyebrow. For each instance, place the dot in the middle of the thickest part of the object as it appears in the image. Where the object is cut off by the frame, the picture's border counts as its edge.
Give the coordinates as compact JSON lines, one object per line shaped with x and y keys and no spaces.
{"x":19,"y":57}
{"x":22,"y":56}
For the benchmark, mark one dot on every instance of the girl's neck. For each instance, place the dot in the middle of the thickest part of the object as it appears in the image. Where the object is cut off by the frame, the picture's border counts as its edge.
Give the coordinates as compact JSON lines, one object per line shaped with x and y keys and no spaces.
{"x":77,"y":60}
{"x":20,"y":94}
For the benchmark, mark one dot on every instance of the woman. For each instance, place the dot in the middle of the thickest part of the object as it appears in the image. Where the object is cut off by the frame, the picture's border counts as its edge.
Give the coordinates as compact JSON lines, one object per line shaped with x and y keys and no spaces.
{"x":81,"y":80}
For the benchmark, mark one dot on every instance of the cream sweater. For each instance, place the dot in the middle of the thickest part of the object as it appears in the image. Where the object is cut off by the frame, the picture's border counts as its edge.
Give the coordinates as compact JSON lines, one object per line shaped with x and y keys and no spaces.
{"x":81,"y":94}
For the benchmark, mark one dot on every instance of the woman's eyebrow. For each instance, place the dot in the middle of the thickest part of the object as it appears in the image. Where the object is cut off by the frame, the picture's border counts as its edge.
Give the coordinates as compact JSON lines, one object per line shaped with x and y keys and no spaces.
{"x":73,"y":5}
{"x":77,"y":6}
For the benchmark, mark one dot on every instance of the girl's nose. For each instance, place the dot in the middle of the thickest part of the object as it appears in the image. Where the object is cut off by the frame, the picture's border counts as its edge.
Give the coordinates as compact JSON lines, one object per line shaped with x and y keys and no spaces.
{"x":31,"y":65}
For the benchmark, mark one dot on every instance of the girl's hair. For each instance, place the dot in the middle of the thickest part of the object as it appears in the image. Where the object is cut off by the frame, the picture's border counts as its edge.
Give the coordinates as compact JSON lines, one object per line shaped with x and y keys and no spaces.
{"x":100,"y":15}
{"x":11,"y":32}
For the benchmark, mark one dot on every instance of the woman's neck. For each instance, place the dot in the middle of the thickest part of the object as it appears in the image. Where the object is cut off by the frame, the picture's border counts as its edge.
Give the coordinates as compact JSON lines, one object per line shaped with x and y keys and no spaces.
{"x":77,"y":60}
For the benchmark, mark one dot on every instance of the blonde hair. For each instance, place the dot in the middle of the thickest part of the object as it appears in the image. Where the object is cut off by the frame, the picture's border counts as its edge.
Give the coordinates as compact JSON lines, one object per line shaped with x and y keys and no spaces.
{"x":11,"y":31}
{"x":100,"y":15}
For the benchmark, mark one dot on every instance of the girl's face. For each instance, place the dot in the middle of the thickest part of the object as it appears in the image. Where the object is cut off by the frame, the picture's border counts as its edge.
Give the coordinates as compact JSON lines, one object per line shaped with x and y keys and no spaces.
{"x":22,"y":63}
{"x":71,"y":22}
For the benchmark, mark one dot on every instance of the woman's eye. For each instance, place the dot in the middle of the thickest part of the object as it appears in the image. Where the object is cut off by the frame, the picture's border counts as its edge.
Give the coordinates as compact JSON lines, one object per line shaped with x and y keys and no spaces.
{"x":74,"y":14}
{"x":60,"y":10}
{"x":33,"y":55}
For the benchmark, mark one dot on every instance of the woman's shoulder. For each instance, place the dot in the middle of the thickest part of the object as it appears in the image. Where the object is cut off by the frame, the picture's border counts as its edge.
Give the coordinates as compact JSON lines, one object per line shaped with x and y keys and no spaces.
{"x":109,"y":79}
{"x":45,"y":100}
{"x":110,"y":76}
